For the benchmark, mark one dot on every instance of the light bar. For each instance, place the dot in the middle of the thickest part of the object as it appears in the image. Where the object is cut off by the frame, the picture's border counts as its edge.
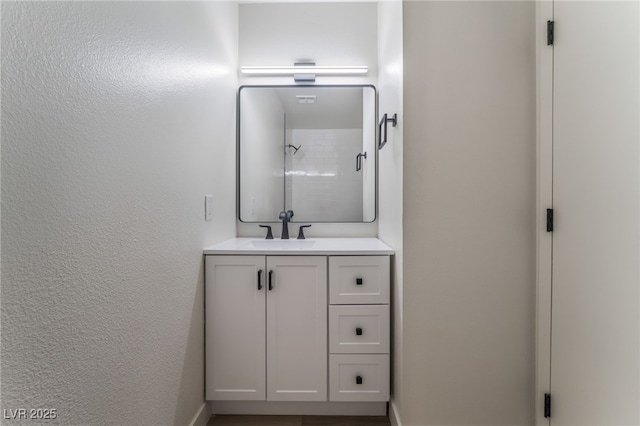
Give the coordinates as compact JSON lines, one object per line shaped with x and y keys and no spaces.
{"x":305,"y":69}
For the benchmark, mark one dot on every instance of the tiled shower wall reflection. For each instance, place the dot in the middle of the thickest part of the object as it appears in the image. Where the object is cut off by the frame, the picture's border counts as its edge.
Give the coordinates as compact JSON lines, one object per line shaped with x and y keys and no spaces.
{"x":321,"y":177}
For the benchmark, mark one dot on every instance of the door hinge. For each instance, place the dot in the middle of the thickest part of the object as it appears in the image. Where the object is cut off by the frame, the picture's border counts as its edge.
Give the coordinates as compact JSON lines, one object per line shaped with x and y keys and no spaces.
{"x":550,"y":33}
{"x":547,"y":405}
{"x":549,"y":220}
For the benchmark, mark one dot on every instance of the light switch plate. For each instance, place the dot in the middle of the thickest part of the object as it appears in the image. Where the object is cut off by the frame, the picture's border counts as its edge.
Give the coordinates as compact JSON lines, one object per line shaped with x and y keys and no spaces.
{"x":208,"y":208}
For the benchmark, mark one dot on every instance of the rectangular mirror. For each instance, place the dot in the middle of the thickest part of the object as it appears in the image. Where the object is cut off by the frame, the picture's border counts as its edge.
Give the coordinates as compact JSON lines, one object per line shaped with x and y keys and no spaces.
{"x":310,"y":149}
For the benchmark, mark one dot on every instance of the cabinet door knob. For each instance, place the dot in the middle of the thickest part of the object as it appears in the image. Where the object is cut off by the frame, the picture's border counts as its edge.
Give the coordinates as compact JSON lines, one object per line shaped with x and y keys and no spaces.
{"x":358,"y":331}
{"x":259,"y":279}
{"x":358,"y":380}
{"x":270,"y":280}
{"x":359,"y":281}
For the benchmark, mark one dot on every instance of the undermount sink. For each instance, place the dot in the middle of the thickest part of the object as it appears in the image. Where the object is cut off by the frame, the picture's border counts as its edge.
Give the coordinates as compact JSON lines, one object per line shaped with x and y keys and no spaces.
{"x":278,"y":244}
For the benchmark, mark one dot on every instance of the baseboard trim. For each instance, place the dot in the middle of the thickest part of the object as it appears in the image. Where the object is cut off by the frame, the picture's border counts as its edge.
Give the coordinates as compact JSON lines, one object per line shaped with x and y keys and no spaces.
{"x":394,"y":415}
{"x":299,"y":408}
{"x":202,"y":415}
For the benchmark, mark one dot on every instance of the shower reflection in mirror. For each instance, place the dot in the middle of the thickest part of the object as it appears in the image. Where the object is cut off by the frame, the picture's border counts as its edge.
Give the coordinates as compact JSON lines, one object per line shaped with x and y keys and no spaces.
{"x":296,"y":151}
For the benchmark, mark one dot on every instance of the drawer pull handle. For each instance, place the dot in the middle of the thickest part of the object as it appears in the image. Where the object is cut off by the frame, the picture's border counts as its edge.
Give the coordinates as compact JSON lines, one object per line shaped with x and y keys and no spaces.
{"x":259,"y":279}
{"x":358,"y":380}
{"x":358,"y":331}
{"x":359,"y":281}
{"x":270,"y":280}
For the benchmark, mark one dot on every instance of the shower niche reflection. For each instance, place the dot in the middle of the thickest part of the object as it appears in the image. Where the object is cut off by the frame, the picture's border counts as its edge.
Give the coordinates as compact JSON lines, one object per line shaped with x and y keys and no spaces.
{"x":310,"y":149}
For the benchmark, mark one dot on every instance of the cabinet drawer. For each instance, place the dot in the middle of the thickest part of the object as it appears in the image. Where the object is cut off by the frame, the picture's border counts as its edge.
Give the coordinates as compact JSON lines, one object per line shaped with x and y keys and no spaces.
{"x":359,"y":329}
{"x":358,"y":279}
{"x":359,"y":377}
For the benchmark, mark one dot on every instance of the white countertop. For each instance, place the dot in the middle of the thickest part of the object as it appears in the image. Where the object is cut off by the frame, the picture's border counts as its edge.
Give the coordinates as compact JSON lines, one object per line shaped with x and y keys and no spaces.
{"x":309,"y":246}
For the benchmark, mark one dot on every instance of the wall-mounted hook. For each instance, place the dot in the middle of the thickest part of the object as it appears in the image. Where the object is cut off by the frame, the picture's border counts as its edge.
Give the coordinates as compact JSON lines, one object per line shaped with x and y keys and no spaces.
{"x":382,"y":136}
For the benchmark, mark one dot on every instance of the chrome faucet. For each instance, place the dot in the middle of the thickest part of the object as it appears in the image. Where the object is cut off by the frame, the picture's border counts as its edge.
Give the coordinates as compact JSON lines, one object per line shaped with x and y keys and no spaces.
{"x":285,"y":217}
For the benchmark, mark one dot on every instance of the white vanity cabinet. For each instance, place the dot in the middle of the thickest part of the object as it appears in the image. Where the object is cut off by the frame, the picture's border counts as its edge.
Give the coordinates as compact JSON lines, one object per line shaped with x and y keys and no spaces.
{"x":266,"y":328}
{"x":298,"y":323}
{"x":359,"y":328}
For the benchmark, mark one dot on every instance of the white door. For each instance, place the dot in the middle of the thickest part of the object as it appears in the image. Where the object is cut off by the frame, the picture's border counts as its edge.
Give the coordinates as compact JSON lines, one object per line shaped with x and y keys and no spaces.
{"x":595,"y":357}
{"x":296,"y":328}
{"x":235,"y":328}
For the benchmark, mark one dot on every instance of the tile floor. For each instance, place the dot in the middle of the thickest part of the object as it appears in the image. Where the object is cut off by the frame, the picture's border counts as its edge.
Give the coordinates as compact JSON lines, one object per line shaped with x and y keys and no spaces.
{"x":299,"y":421}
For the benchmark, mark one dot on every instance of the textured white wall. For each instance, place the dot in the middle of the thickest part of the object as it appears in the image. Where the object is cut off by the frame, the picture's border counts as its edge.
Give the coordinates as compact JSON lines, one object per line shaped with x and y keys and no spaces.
{"x":469,"y":213}
{"x":117,"y":119}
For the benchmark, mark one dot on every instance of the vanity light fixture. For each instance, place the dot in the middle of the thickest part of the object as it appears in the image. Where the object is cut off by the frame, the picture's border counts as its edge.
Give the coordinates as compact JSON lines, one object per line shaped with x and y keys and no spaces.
{"x":314,"y":69}
{"x":305,"y":71}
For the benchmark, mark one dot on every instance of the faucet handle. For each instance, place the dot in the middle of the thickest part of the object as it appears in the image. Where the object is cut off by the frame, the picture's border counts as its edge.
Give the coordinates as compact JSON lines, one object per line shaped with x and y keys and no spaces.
{"x":269,"y":234}
{"x":301,"y":231}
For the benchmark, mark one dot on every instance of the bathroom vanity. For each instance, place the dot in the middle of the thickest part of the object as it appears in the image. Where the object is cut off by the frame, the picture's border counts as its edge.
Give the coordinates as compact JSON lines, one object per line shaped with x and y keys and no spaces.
{"x":294,"y":322}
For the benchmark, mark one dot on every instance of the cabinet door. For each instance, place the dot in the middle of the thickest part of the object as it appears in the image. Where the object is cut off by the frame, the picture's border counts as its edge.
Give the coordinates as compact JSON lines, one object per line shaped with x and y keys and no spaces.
{"x":297,"y":328}
{"x":235,"y":328}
